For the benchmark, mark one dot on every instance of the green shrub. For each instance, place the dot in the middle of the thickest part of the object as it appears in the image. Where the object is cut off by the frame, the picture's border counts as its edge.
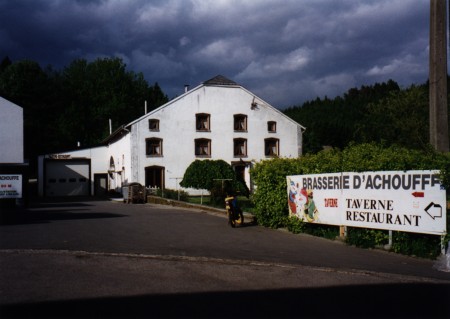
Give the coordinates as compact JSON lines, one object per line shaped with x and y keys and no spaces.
{"x":216,"y":176}
{"x":367,"y":238}
{"x":319,"y":230}
{"x":270,"y":196}
{"x":295,"y":225}
{"x":420,"y":245}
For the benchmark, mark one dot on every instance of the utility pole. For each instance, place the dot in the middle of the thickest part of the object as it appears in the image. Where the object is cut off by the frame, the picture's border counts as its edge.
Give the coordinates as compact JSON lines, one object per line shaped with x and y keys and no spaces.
{"x":438,"y":76}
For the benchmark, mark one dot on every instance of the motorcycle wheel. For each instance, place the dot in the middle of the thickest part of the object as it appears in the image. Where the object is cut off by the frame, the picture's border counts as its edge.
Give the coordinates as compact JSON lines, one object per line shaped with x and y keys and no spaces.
{"x":240,"y":218}
{"x":231,"y":220}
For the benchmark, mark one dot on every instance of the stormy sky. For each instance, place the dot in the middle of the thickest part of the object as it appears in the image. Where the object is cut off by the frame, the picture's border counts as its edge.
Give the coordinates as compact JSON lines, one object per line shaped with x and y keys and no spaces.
{"x":284,"y":51}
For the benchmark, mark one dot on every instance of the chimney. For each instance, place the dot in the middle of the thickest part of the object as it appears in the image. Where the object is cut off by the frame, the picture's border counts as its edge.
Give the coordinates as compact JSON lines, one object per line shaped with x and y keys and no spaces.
{"x":186,"y":88}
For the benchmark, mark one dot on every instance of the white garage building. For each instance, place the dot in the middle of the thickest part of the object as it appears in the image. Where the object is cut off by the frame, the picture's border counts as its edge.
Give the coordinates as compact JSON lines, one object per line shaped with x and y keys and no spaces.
{"x":11,"y":132}
{"x":69,"y":174}
{"x":13,"y":169}
{"x":218,"y":119}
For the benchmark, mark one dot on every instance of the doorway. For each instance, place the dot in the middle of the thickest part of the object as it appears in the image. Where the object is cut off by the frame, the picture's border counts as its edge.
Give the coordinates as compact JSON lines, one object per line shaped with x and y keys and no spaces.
{"x":100,"y":184}
{"x":242,"y":169}
{"x":154,"y":176}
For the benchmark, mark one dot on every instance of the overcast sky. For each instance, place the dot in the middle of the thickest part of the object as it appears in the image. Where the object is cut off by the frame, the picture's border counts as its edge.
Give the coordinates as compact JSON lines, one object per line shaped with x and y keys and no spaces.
{"x":284,"y":51}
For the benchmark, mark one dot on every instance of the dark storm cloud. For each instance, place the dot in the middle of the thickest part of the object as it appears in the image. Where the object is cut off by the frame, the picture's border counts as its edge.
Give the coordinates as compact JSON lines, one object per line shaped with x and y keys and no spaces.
{"x":284,"y":51}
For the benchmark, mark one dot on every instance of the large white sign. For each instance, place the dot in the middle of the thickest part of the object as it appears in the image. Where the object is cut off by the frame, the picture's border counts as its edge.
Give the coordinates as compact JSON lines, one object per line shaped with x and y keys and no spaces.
{"x":10,"y":186}
{"x":412,"y":201}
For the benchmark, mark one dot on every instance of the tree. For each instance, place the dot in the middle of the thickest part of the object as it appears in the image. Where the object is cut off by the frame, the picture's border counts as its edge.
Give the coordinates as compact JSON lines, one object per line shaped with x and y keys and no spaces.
{"x":156,"y":97}
{"x":331,"y":122}
{"x":216,"y":176}
{"x":62,"y":108}
{"x":401,"y":118}
{"x":4,"y":64}
{"x":29,"y":86}
{"x":101,"y":90}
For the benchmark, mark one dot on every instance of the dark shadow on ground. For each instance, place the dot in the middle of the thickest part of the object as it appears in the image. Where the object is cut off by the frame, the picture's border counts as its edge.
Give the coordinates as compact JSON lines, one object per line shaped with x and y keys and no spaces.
{"x":44,"y":210}
{"x":20,"y":217}
{"x":247,"y":224}
{"x":367,"y":301}
{"x":58,"y":205}
{"x":65,"y":200}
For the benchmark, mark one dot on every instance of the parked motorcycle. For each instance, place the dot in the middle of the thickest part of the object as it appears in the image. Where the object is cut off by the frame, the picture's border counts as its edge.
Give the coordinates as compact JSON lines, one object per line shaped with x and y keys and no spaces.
{"x":234,"y":213}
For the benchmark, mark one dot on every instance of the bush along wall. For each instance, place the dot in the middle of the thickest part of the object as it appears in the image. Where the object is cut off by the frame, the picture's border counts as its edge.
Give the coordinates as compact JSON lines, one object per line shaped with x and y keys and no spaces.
{"x":270,"y":197}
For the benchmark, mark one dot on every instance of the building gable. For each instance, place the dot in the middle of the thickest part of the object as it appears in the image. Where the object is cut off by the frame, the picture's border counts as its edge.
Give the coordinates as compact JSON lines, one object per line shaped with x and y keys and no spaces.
{"x":219,"y":81}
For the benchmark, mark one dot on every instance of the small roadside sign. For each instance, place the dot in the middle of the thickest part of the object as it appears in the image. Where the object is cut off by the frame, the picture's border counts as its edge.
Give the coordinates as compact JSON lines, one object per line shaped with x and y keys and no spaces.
{"x":10,"y":186}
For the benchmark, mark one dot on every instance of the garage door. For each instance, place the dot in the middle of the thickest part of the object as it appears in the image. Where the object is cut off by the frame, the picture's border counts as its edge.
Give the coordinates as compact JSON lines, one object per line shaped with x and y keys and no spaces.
{"x":67,"y":178}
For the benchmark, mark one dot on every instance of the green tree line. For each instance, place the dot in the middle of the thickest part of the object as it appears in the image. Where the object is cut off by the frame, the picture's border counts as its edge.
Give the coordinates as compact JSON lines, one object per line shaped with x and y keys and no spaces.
{"x":382,"y":113}
{"x":64,"y":107}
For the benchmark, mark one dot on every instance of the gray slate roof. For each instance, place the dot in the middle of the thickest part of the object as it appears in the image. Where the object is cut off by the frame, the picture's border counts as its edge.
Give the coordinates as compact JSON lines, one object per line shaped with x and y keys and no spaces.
{"x":220,"y":80}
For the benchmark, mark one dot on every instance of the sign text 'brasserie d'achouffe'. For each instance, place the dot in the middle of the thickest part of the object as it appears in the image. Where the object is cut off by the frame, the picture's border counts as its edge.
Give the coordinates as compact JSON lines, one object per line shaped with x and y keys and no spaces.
{"x":411,"y":201}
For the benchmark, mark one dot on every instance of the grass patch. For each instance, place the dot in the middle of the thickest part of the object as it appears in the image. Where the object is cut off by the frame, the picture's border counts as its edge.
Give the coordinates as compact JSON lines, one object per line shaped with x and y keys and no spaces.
{"x":205,"y":200}
{"x":244,"y":203}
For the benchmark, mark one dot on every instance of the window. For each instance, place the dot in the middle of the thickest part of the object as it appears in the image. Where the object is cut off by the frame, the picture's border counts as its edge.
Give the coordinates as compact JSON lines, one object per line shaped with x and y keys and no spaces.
{"x":153,"y":125}
{"x":112,"y":166}
{"x":272,"y":126}
{"x":202,"y":122}
{"x":240,"y":147}
{"x":202,"y":147}
{"x":240,"y":123}
{"x":153,"y":147}
{"x":271,"y":146}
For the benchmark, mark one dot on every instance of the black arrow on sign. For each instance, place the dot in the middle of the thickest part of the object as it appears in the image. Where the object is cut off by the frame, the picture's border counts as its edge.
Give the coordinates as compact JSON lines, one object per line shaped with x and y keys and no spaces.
{"x":434,"y":210}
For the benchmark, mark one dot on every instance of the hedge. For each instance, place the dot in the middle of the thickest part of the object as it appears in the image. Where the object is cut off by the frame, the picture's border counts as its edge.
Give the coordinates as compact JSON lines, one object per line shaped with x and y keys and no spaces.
{"x":270,"y":197}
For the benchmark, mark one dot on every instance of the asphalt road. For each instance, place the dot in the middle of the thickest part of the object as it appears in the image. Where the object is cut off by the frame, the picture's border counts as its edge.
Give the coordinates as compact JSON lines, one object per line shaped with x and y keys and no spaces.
{"x":106,"y":259}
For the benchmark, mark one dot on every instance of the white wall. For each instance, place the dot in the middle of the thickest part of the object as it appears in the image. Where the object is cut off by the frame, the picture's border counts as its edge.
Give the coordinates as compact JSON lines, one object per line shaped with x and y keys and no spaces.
{"x":120,"y":151}
{"x":11,"y":132}
{"x":178,"y":130}
{"x":99,"y":161}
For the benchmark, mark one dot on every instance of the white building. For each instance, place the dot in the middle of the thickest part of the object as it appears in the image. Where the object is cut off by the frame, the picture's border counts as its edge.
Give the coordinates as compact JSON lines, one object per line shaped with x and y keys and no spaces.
{"x":218,"y":119}
{"x":13,"y":170}
{"x":11,"y":132}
